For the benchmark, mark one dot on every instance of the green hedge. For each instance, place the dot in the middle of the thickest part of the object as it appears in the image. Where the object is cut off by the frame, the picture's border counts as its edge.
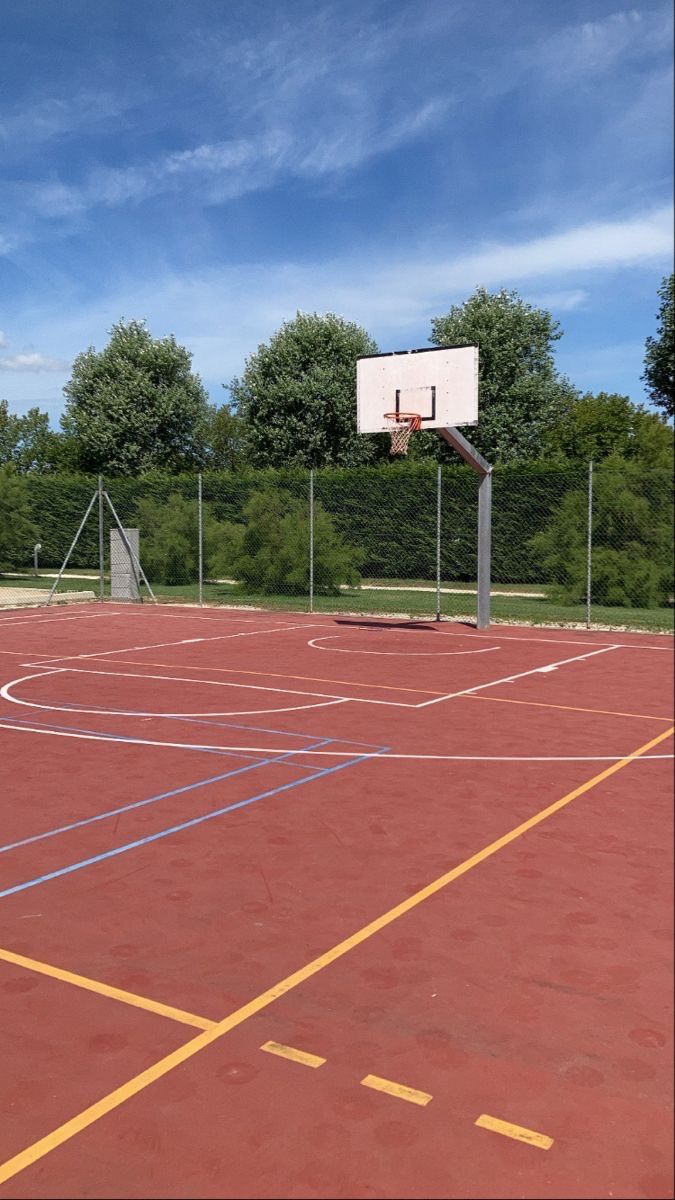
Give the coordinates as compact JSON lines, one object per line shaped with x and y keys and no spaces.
{"x":387,"y":511}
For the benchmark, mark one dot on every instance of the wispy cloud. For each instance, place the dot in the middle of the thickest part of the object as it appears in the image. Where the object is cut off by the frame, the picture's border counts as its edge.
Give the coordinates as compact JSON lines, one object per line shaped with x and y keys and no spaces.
{"x":312,"y":99}
{"x":596,"y":46}
{"x":224,"y":170}
{"x":3,"y":340}
{"x":232,"y":167}
{"x":591,"y":45}
{"x":562,"y":301}
{"x":33,"y":363}
{"x":50,"y":117}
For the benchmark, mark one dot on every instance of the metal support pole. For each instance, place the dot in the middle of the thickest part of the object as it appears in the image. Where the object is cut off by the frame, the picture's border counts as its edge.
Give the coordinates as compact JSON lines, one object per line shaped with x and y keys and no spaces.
{"x":135,"y":562}
{"x":483,"y":469}
{"x":589,"y":545}
{"x":439,"y":485}
{"x":73,"y":544}
{"x":311,"y":540}
{"x":101,"y":557}
{"x":484,"y":549}
{"x":200,"y":534}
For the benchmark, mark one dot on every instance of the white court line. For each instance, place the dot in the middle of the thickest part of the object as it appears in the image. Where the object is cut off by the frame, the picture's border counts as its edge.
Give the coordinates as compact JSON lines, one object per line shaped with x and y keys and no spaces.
{"x":521,"y":675}
{"x":314,"y":643}
{"x":217,"y":637}
{"x":378,"y":754}
{"x":328,"y":697}
{"x":56,"y":620}
{"x":4,"y":692}
{"x":326,"y":702}
{"x":254,"y":687}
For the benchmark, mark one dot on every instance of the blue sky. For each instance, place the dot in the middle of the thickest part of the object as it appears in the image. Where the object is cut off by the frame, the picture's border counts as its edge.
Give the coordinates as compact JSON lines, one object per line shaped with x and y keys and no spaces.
{"x":215,"y":165}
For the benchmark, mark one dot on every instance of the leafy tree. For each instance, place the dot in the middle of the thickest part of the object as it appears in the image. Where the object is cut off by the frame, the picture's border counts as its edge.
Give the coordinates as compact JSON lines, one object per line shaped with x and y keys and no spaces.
{"x":632,"y":539}
{"x":297,"y":395}
{"x":270,"y":552}
{"x":170,"y":539}
{"x":520,"y":392}
{"x":659,"y":373}
{"x":27,"y":441}
{"x":136,"y":405}
{"x":224,"y":439}
{"x":18,"y":534}
{"x":8,"y":433}
{"x":598,"y":426}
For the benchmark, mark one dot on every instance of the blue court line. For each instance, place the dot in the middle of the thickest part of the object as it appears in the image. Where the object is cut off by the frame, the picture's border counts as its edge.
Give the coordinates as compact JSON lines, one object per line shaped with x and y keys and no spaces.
{"x":189,"y":787}
{"x":154,"y":837}
{"x":104,"y":736}
{"x":203,"y":721}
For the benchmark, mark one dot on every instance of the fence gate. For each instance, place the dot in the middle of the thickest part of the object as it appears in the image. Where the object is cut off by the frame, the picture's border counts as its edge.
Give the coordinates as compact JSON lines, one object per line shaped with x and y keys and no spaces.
{"x":123,"y":577}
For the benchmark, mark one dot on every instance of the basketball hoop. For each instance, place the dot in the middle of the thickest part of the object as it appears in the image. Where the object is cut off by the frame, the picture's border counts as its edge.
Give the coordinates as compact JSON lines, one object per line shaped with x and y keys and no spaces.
{"x":400,"y":425}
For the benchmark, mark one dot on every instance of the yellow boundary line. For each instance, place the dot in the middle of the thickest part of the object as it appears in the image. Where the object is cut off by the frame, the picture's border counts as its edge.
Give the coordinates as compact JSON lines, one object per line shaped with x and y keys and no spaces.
{"x":105,"y":989}
{"x":132,"y":1087}
{"x":601,"y":712}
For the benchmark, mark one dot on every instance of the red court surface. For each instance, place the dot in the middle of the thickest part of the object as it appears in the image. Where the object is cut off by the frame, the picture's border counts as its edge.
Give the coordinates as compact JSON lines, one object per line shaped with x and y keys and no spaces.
{"x":307,"y":906}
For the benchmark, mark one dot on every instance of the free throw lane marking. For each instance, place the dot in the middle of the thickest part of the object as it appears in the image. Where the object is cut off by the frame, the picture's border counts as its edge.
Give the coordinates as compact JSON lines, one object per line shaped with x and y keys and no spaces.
{"x":515,"y":1131}
{"x":114,"y":1099}
{"x":396,"y":1089}
{"x":298,"y":1056}
{"x":104,"y":989}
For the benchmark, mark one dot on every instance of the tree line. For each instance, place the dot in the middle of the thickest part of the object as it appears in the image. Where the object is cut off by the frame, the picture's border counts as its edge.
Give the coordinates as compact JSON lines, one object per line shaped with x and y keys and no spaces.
{"x":137,"y":406}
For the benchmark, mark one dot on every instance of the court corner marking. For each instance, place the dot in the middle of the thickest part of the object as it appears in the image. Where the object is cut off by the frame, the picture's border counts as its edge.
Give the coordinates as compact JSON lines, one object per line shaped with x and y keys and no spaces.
{"x":106,"y":989}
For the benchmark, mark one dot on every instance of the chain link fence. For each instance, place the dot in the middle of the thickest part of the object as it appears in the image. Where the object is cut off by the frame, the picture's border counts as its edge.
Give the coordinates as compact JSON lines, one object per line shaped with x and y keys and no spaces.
{"x":584,"y":546}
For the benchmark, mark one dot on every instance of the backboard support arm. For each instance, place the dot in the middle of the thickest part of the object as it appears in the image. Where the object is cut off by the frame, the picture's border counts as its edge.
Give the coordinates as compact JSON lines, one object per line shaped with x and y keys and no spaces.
{"x":484,"y":470}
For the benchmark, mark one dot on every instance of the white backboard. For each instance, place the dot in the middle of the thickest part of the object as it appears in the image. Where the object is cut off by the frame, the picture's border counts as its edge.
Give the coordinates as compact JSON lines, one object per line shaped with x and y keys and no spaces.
{"x":440,"y":384}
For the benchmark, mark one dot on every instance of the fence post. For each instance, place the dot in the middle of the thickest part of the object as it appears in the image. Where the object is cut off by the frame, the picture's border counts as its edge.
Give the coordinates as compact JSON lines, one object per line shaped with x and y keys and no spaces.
{"x":484,"y":549}
{"x":589,"y":545}
{"x":73,"y":544}
{"x":311,"y":539}
{"x":439,"y":485}
{"x":200,"y":535}
{"x":101,"y":560}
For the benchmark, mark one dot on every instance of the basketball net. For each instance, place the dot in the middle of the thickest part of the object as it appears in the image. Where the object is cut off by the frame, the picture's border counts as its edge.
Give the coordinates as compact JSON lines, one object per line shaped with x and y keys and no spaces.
{"x":400,"y":425}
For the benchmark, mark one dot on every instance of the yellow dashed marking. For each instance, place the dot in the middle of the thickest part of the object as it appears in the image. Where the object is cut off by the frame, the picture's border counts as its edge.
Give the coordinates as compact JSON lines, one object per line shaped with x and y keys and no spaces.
{"x":515,"y":1131}
{"x":396,"y":1089}
{"x":299,"y":1056}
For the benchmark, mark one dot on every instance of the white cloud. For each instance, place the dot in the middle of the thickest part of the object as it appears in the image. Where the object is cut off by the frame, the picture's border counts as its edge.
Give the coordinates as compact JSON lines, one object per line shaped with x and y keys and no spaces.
{"x":32,"y":362}
{"x":223,"y":314}
{"x":594,"y":246}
